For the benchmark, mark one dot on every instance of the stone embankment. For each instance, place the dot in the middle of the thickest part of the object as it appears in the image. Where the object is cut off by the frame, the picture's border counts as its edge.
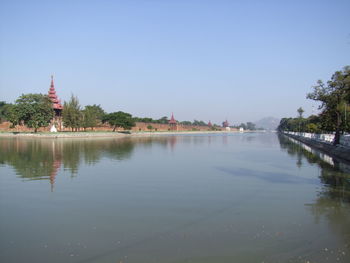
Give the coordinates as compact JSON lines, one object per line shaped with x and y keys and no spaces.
{"x":324,"y":143}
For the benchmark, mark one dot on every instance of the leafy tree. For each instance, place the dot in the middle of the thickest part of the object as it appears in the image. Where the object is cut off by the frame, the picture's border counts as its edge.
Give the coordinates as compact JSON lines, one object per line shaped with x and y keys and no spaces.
{"x":186,"y":123}
{"x":33,"y":110}
{"x":92,"y":115}
{"x":310,"y":124}
{"x":313,"y":124}
{"x":4,"y":110}
{"x":120,"y":119}
{"x":311,"y":127}
{"x":300,"y":112}
{"x":71,"y":114}
{"x":146,"y":119}
{"x":334,"y":97}
{"x":199,"y":123}
{"x":150,"y":127}
{"x":251,"y":126}
{"x":288,"y":124}
{"x":242,"y":125}
{"x":163,"y":120}
{"x":300,"y":118}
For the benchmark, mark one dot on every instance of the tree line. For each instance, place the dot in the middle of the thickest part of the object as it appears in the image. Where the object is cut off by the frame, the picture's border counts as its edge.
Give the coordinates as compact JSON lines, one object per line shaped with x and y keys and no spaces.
{"x":35,"y":111}
{"x":165,"y":120}
{"x":334,"y":116}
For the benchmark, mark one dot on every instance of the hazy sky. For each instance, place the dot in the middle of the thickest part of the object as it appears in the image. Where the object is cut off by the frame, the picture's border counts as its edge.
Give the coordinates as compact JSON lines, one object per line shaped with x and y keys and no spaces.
{"x":207,"y":60}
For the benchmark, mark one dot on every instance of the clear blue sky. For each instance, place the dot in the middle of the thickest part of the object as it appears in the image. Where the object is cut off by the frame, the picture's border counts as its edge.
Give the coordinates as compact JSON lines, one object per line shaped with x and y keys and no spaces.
{"x":207,"y":60}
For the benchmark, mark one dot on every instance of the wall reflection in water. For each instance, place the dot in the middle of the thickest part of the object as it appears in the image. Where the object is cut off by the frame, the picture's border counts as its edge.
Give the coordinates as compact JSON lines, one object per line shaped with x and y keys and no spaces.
{"x":333,"y":200}
{"x":334,"y":174}
{"x":41,"y":159}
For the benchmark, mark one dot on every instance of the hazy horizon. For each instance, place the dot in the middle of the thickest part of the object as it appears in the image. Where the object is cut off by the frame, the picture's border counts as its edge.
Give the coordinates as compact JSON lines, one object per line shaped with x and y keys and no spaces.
{"x":205,"y":60}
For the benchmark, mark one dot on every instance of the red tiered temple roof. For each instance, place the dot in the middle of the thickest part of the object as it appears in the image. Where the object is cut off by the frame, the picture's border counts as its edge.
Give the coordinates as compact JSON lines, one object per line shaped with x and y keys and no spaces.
{"x":172,"y":120}
{"x":52,"y":95}
{"x":225,"y":124}
{"x":209,"y":124}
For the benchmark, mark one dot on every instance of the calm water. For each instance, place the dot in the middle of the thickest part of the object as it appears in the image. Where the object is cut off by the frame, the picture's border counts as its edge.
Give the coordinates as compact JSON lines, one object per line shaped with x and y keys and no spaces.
{"x":218,"y":198}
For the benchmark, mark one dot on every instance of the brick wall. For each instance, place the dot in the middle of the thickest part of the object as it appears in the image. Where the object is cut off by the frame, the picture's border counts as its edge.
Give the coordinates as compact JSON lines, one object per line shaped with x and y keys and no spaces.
{"x":140,"y":126}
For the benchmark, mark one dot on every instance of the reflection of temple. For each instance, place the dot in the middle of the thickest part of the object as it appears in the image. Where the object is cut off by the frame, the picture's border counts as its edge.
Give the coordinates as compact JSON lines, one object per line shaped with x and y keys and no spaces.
{"x":57,"y":106}
{"x":55,"y":167}
{"x":173,"y":123}
{"x":172,"y":141}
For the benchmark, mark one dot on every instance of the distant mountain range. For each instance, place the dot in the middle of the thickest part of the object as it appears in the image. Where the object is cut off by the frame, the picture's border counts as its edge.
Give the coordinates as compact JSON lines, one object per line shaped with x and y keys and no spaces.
{"x":268,"y":123}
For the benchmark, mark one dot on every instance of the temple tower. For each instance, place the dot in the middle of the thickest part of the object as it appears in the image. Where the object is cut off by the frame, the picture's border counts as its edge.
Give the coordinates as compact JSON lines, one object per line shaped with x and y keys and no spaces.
{"x":173,"y":123}
{"x":56,"y":105}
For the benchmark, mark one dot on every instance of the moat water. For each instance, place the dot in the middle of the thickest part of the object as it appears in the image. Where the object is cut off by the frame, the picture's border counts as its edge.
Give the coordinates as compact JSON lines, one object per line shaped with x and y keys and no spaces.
{"x":190,"y":198}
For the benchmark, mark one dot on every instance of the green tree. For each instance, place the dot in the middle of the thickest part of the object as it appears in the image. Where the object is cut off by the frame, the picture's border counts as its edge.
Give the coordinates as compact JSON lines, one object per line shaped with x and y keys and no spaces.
{"x":300,"y":117}
{"x":311,"y":127}
{"x":300,"y":112}
{"x":251,"y":126}
{"x":163,"y":120}
{"x":71,"y":114}
{"x":120,"y":119}
{"x":199,"y":123}
{"x":145,"y":119}
{"x":4,"y":110}
{"x":92,"y":115}
{"x":242,"y":125}
{"x":334,"y":97}
{"x":150,"y":127}
{"x":288,"y":124}
{"x":33,"y":110}
{"x":186,"y":123}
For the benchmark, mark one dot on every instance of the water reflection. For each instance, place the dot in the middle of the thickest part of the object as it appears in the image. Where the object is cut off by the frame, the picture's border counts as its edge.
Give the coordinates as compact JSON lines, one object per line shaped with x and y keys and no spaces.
{"x":334,"y":174}
{"x":162,"y":200}
{"x":332,"y":202}
{"x":41,"y":159}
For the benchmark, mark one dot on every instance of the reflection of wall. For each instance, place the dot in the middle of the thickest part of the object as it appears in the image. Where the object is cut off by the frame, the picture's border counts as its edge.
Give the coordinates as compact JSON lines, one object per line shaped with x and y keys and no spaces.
{"x":332,"y":203}
{"x":333,"y":173}
{"x":324,"y":157}
{"x":42,"y":159}
{"x":326,"y":138}
{"x":142,"y":126}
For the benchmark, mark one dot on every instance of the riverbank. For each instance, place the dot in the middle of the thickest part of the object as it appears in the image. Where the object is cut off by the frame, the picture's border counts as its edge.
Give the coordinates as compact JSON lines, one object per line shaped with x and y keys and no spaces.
{"x":338,"y":151}
{"x":105,"y":134}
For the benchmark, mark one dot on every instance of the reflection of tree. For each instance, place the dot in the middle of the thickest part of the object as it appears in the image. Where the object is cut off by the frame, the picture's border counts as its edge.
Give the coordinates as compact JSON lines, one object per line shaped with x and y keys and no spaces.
{"x":335,"y":209}
{"x":120,"y":149}
{"x":29,"y":159}
{"x":296,"y":150}
{"x":35,"y":159}
{"x":333,"y":202}
{"x":71,"y":155}
{"x":338,"y":184}
{"x":333,"y":174}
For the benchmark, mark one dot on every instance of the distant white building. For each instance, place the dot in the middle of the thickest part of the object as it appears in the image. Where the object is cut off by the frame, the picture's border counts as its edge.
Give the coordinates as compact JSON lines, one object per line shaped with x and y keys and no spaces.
{"x":241,"y":129}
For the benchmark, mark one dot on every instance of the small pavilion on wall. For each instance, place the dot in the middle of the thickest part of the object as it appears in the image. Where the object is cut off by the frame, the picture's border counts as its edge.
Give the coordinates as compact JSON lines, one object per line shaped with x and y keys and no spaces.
{"x":57,"y":106}
{"x":173,"y":123}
